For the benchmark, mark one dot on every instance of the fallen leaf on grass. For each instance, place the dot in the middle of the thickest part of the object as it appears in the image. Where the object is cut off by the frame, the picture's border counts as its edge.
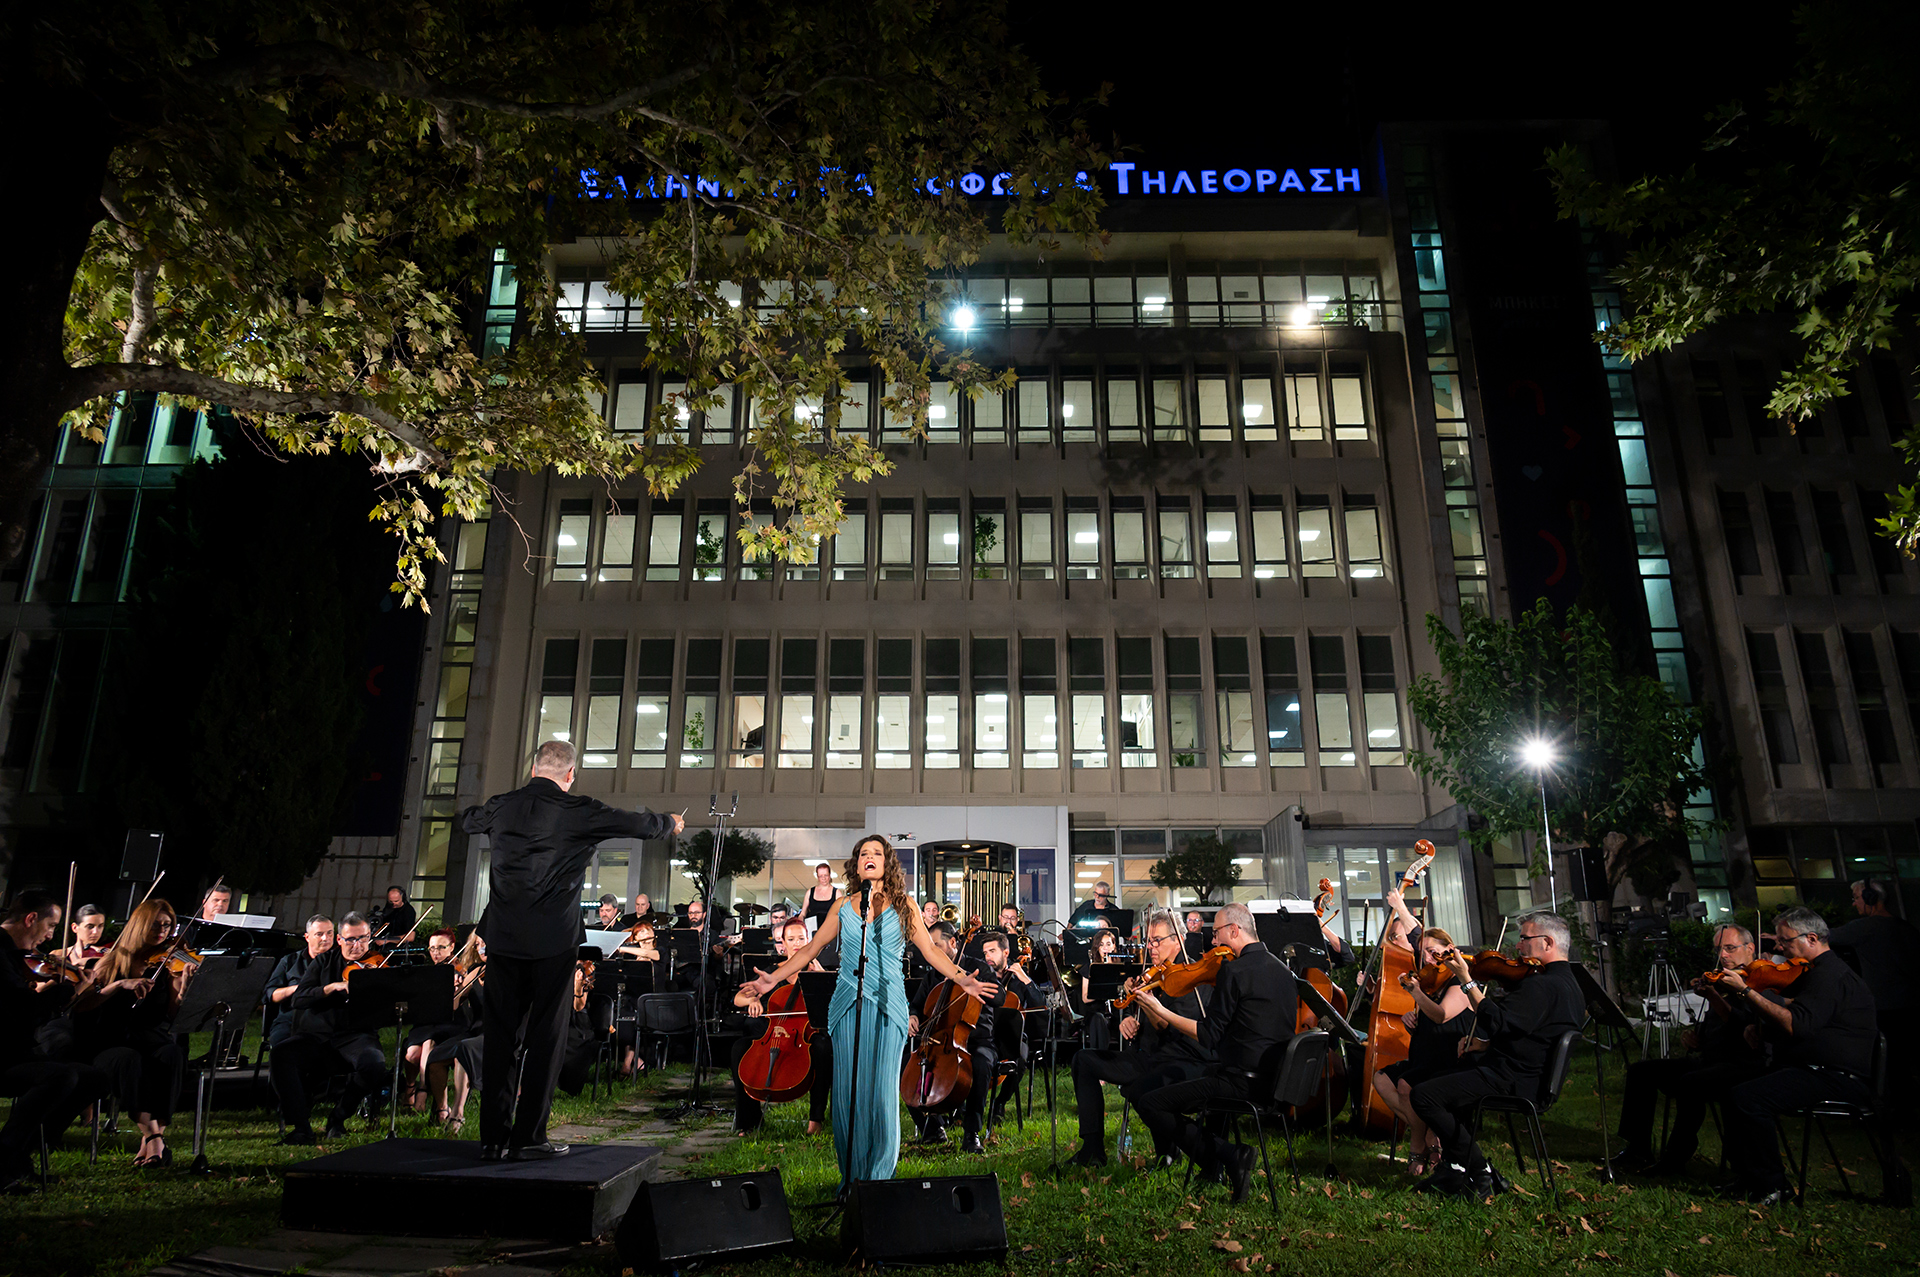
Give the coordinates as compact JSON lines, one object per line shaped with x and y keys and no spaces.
{"x":1328,"y":1190}
{"x":1704,"y":1241}
{"x":1367,"y":1193}
{"x":1229,"y":1245}
{"x":1160,"y":1237}
{"x":1691,"y":1210}
{"x":1878,"y":1245}
{"x":1186,"y":1225}
{"x":1585,"y":1225}
{"x":1241,"y":1265}
{"x":1026,"y":1179}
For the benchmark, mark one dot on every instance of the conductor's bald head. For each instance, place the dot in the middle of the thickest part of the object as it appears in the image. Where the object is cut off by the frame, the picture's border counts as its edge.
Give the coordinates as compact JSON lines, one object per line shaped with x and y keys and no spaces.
{"x":554,"y":761}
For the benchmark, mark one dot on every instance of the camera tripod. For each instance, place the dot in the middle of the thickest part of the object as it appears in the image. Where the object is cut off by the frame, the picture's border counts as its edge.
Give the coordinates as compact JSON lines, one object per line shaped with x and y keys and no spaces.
{"x":1664,"y":1005}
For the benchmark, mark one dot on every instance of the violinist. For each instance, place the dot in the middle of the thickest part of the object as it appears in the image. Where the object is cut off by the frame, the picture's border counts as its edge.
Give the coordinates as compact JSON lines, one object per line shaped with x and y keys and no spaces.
{"x":608,"y":914}
{"x":1822,"y":1032}
{"x":1881,"y":947}
{"x":47,"y":1094}
{"x":453,"y":1061}
{"x":1254,"y":1008}
{"x":288,"y":972}
{"x":639,"y":944}
{"x":88,"y":926}
{"x":123,"y":1025}
{"x":1161,"y":1055}
{"x":1435,"y":1029}
{"x":747,"y":1111}
{"x":1505,"y":1054}
{"x":318,"y":1039}
{"x":441,"y":947}
{"x":394,"y":920}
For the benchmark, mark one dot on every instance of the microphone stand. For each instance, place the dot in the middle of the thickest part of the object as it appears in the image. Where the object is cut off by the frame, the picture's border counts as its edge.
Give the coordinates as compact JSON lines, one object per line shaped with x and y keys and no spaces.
{"x":853,"y":1073}
{"x":696,"y":1101}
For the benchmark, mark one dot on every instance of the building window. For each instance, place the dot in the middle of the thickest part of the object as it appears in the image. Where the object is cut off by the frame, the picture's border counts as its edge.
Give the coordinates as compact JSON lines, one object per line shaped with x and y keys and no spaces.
{"x":673,"y":398}
{"x":808,"y":568}
{"x":989,"y":539}
{"x":1185,"y":740}
{"x":1223,"y":537}
{"x":1087,"y":672}
{"x":1736,"y":524}
{"x":1888,"y":562}
{"x":1036,"y":538}
{"x":1233,"y":701}
{"x":1836,"y":543}
{"x":1039,"y":703}
{"x":1280,"y":668}
{"x":1258,"y":424}
{"x":1123,"y":406}
{"x":1330,"y":707}
{"x":1906,"y":653}
{"x":943,"y":413}
{"x":799,"y":672}
{"x":1870,"y":697}
{"x":716,"y":423}
{"x":893,"y":704}
{"x":1300,"y":386}
{"x":663,"y":541}
{"x":1083,"y":538}
{"x":846,"y":693}
{"x":990,"y":689}
{"x":750,"y":660}
{"x":853,"y":422}
{"x":606,"y":680}
{"x":558,"y":667}
{"x":700,"y":709}
{"x":1134,"y":659}
{"x":630,"y":401}
{"x":1364,"y":557}
{"x":1210,"y":398}
{"x":754,"y":565}
{"x":850,"y":543}
{"x":943,"y":703}
{"x":1077,"y":423}
{"x":1823,"y":697}
{"x":652,"y":698}
{"x":943,"y":540}
{"x":1710,"y":398}
{"x":1347,"y":396}
{"x":1380,"y":701}
{"x":990,"y":417}
{"x":103,"y":563}
{"x":1770,"y":687}
{"x":1129,"y":515}
{"x":1176,"y":538}
{"x":616,"y":542}
{"x":896,"y":538}
{"x":1034,"y":397}
{"x":1316,"y":537}
{"x":1269,"y":518}
{"x":1783,"y":520}
{"x":1169,"y":408}
{"x":570,"y":539}
{"x":710,"y":541}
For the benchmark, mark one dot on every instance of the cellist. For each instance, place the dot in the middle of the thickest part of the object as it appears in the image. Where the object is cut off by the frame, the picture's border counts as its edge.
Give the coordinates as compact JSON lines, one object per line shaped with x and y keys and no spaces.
{"x":747,"y":1111}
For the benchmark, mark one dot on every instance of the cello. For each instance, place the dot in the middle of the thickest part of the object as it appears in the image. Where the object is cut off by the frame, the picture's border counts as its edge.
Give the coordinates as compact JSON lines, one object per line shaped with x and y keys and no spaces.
{"x":1388,"y":1039}
{"x":938,"y":1074}
{"x":1305,"y":1021}
{"x":778,"y":1066}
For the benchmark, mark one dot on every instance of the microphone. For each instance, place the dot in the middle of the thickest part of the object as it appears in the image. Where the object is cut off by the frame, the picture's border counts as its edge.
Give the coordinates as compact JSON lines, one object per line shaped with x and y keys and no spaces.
{"x":866,"y":896}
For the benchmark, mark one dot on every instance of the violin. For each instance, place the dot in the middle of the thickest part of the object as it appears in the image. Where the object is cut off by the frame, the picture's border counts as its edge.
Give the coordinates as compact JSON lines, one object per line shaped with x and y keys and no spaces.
{"x":778,"y":1066}
{"x":1764,"y":975}
{"x":1488,"y":964}
{"x":51,"y":966}
{"x":1176,"y":978}
{"x":582,"y":983}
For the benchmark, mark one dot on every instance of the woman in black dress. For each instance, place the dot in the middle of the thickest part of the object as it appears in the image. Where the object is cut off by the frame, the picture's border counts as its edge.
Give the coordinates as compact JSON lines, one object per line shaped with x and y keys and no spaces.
{"x":1436,"y":1028}
{"x":1105,"y":947}
{"x":820,"y":898}
{"x":124,"y":1025}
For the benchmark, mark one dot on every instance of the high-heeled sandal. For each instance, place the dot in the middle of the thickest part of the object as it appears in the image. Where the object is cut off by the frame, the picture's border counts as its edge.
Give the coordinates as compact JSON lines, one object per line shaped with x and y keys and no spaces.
{"x":454,"y":1126}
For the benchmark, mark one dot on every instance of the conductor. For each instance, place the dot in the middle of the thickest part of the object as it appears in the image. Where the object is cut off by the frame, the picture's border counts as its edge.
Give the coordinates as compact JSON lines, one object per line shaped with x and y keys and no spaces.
{"x":542,"y":838}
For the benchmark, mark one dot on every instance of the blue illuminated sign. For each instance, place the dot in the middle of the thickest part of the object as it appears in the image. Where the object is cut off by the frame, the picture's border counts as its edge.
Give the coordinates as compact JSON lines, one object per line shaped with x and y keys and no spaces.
{"x":1131,"y":180}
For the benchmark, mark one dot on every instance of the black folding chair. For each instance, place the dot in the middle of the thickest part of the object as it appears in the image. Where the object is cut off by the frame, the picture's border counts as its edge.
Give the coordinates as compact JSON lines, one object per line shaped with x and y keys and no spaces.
{"x":1534,"y":1107}
{"x":663,"y":1017}
{"x":1867,"y":1116}
{"x":1303,"y":1067}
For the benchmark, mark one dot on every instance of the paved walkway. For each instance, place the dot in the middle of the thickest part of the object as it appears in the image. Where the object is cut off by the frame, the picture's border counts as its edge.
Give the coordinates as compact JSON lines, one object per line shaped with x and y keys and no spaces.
{"x":633,"y":1122}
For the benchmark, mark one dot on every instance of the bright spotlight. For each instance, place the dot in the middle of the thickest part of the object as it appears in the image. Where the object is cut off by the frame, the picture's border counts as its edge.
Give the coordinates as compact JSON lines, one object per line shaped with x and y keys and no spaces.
{"x":1537,"y":754}
{"x":963,"y":317}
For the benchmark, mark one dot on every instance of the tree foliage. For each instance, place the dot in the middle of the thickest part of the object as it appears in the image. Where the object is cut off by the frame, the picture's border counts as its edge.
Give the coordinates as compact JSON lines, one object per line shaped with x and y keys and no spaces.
{"x":1203,"y":866}
{"x":743,"y":855}
{"x":1625,"y":753}
{"x":291,"y":208}
{"x":1806,"y":208}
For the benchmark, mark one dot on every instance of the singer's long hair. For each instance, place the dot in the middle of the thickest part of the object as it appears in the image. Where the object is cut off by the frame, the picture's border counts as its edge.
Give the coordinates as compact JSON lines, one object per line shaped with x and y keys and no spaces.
{"x":893,"y":881}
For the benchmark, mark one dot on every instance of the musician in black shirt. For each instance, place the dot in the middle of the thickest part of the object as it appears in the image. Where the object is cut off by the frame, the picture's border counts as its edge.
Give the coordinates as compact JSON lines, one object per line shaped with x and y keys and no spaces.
{"x":318,"y":1037}
{"x":1822,"y":1033}
{"x":1720,"y":1059}
{"x":290,"y":970}
{"x":1247,"y":1027}
{"x":542,"y":838}
{"x":1002,"y":1035}
{"x":1506,"y":1054}
{"x":47,"y":1094}
{"x":1156,"y":1054}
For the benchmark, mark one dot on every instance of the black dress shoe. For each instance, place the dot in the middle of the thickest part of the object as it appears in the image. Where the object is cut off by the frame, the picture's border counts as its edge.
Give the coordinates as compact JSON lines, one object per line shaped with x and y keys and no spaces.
{"x":538,"y":1152}
{"x":934,"y":1133}
{"x":1088,"y":1156}
{"x":1449,"y":1181}
{"x":1484,"y":1183}
{"x":1630,"y":1161}
{"x":1239,"y":1170}
{"x":492,"y":1153}
{"x":336,"y":1130}
{"x":972,"y":1144}
{"x":1770,"y":1197}
{"x":298,"y":1135}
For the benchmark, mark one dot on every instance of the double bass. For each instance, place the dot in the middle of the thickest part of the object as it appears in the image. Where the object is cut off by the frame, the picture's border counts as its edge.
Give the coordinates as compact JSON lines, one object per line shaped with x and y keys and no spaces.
{"x":1388,"y":1039}
{"x":778,"y":1066}
{"x":1305,"y":1021}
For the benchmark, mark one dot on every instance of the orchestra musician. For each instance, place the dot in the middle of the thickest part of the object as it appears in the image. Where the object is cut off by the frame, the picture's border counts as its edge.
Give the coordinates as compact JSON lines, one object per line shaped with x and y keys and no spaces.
{"x":1198,"y":938}
{"x":395,"y":919}
{"x":1505,"y":1054}
{"x":1433,"y":1046}
{"x":88,"y":925}
{"x":441,"y":947}
{"x":1006,"y":1040}
{"x":709,"y":943}
{"x":930,"y":912}
{"x":1881,"y":945}
{"x":318,"y":1037}
{"x":543,"y":836}
{"x":880,"y":905}
{"x":1721,"y":1059}
{"x":290,"y":970}
{"x":788,"y":940}
{"x":454,"y":1061}
{"x":927,"y":981}
{"x":642,"y":910}
{"x":47,"y":1094}
{"x":1822,"y":1032}
{"x":1247,"y":1026}
{"x":1160,"y":1054}
{"x":219,"y":900}
{"x":608,"y":914}
{"x":1104,"y":949}
{"x":1098,"y":906}
{"x":820,"y":897}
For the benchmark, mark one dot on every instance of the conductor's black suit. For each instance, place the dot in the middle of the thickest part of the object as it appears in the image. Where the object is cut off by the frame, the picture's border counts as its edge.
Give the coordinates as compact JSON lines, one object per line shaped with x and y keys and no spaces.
{"x":542,"y":838}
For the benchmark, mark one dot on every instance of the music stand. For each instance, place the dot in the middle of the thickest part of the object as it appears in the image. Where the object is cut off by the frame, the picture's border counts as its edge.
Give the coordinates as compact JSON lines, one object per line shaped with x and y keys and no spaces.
{"x":382,"y":996}
{"x":224,"y":984}
{"x":1285,"y":927}
{"x":1605,"y":1013}
{"x":756,"y":940}
{"x":816,"y":989}
{"x":1336,"y":1024}
{"x":1105,"y":978}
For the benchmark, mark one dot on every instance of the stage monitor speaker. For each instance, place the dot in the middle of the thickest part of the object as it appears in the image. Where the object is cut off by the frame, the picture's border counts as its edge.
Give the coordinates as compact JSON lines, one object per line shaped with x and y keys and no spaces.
{"x":1589,"y":869}
{"x":675,"y":1221}
{"x":140,"y":862}
{"x":956,"y":1219}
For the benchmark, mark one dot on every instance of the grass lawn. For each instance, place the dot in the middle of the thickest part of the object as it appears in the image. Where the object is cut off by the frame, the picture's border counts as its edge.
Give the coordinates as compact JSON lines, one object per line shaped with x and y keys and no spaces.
{"x":111,"y":1219}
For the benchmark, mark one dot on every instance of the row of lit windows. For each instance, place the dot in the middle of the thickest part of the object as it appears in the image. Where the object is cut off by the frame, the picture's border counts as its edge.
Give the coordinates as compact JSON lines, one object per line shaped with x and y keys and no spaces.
{"x":988,"y":539}
{"x":984,"y":701}
{"x":1310,"y":395}
{"x":142,"y":431}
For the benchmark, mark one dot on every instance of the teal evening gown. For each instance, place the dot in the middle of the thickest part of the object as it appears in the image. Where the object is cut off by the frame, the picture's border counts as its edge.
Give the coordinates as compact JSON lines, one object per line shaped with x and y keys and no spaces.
{"x":883,"y":1044}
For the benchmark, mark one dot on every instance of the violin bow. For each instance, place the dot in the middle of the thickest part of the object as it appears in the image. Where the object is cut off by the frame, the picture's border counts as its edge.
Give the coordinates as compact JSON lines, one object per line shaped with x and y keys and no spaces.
{"x":152,"y":885}
{"x":66,"y":917}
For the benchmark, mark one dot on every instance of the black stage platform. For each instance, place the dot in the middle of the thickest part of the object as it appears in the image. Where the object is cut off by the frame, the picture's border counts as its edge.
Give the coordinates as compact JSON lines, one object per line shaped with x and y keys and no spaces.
{"x":441,"y":1188}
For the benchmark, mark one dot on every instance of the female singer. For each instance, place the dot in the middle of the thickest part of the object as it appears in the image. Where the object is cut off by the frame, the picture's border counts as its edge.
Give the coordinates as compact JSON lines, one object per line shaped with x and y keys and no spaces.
{"x":891,"y":919}
{"x":1105,"y":948}
{"x":820,"y":897}
{"x":1436,"y":1029}
{"x":124,"y":1025}
{"x":89,"y":924}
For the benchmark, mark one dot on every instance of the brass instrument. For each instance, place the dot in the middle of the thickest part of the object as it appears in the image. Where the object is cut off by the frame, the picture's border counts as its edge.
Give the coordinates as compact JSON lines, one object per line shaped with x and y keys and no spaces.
{"x":950,"y":914}
{"x":1022,"y":942}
